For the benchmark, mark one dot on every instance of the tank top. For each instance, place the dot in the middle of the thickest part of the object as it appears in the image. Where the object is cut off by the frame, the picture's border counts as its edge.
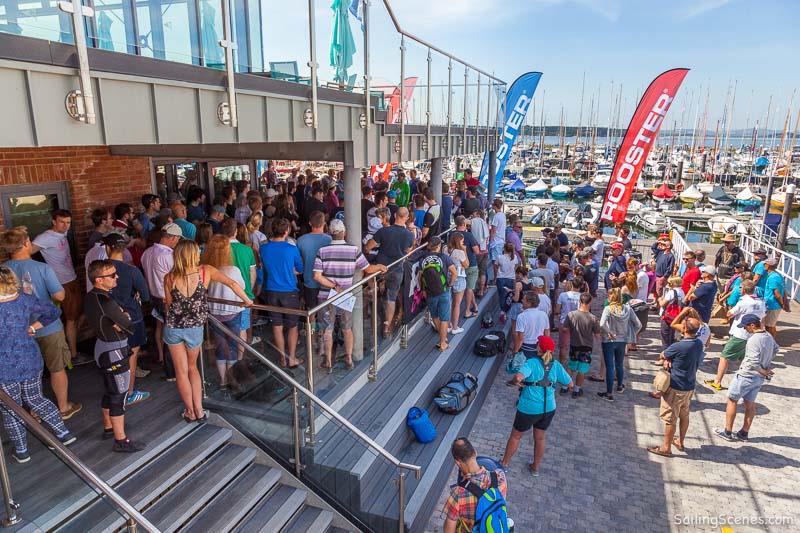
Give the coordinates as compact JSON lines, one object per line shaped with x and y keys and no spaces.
{"x":188,"y":312}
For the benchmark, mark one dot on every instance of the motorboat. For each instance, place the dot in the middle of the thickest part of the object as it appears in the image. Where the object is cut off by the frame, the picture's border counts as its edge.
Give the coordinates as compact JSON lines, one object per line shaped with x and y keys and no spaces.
{"x":747,"y":198}
{"x":581,"y":216}
{"x":722,"y":225}
{"x":601,"y":178}
{"x":652,"y":222}
{"x":537,"y":188}
{"x":690,"y":196}
{"x":718,"y":196}
{"x":560,"y":191}
{"x":585,"y":191}
{"x":778,"y":199}
{"x":705,"y":187}
{"x":711,"y":210}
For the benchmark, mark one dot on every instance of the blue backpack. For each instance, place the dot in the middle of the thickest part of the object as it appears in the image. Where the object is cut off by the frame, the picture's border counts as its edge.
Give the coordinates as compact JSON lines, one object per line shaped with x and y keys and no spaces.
{"x":491,"y":515}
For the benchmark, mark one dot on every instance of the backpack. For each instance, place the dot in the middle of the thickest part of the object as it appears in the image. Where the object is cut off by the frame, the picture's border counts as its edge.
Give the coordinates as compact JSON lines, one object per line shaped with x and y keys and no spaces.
{"x":545,"y":381}
{"x":491,"y":344}
{"x":491,"y":513}
{"x":457,"y":394}
{"x":434,"y":279}
{"x":672,"y":310}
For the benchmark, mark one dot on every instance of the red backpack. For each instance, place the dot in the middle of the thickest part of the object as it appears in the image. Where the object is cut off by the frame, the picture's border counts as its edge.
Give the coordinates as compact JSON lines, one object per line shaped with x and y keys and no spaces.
{"x":672,"y":310}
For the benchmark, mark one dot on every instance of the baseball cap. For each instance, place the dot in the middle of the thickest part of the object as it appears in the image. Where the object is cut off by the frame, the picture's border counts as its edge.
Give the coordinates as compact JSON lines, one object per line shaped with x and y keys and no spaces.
{"x":741,"y":266}
{"x":749,"y":319}
{"x":173,"y":229}
{"x":760,"y":251}
{"x":374,"y":224}
{"x":663,"y":236}
{"x":270,"y":193}
{"x":547,"y":344}
{"x":708,"y":269}
{"x":616,"y":246}
{"x":113,"y":239}
{"x":537,"y":282}
{"x":218,"y":209}
{"x":336,"y":226}
{"x":772,"y":261}
{"x":392,"y":194}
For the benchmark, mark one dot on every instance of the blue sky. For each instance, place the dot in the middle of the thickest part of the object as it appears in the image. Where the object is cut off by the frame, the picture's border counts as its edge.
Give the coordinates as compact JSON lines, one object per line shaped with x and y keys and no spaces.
{"x":627,"y":41}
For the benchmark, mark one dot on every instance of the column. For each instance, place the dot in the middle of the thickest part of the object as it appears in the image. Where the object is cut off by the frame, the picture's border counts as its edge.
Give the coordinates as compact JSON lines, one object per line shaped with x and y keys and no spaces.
{"x":352,"y":221}
{"x":436,"y":178}
{"x":490,"y":190}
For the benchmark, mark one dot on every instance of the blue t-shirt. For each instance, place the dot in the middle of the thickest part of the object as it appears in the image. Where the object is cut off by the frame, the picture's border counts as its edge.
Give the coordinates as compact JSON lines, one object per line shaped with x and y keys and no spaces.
{"x":309,"y":244}
{"x":686,"y":355}
{"x":760,"y":270}
{"x":280,"y":261}
{"x":736,"y":292}
{"x":534,"y":400}
{"x":45,"y":284}
{"x":469,"y":242}
{"x":705,"y":293}
{"x":130,"y":283}
{"x":419,"y":217}
{"x":774,"y":282}
{"x":665,"y":262}
{"x":447,"y":210}
{"x":188,"y":229}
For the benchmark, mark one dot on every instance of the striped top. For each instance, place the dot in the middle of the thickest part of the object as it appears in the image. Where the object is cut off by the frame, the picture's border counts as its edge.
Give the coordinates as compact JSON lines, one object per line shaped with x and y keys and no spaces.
{"x":338,"y":261}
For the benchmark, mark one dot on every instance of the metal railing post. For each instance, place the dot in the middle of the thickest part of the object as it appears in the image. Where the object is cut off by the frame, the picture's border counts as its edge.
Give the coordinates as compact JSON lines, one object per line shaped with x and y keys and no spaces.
{"x":312,"y":63}
{"x":404,"y":336}
{"x":402,"y":96}
{"x":8,"y":499}
{"x":401,"y":500}
{"x":80,"y":104}
{"x":464,"y":117}
{"x":449,"y":104}
{"x":477,"y":143}
{"x":310,"y":376}
{"x":202,"y":358}
{"x":298,"y":467}
{"x":229,"y":45}
{"x":131,"y":526}
{"x":365,"y":18}
{"x":373,"y":369}
{"x":428,"y":108}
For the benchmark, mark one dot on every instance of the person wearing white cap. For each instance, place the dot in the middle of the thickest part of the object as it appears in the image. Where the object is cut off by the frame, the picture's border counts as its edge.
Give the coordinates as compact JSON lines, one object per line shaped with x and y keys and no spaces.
{"x":334,"y":267}
{"x":701,"y":296}
{"x":545,"y":305}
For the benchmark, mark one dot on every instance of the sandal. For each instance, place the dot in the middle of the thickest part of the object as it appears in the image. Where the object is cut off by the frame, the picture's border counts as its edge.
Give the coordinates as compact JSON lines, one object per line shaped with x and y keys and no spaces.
{"x":186,"y":418}
{"x":677,"y":445}
{"x":202,"y":418}
{"x":299,"y":362}
{"x":470,"y":315}
{"x":348,"y":363}
{"x":442,"y":348}
{"x":656,"y":450}
{"x":595,"y":379}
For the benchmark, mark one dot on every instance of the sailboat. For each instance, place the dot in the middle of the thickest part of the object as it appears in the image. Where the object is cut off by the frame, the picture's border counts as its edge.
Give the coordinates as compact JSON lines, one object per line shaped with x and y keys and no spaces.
{"x":690,"y":196}
{"x":663,"y":193}
{"x":747,"y":198}
{"x":779,"y":199}
{"x":538,"y":188}
{"x":718,"y":196}
{"x":560,"y":191}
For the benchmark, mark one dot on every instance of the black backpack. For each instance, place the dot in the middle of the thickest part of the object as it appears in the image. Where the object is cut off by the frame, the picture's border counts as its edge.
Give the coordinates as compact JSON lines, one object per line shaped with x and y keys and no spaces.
{"x":491,"y":344}
{"x":434,"y":277}
{"x":457,"y":394}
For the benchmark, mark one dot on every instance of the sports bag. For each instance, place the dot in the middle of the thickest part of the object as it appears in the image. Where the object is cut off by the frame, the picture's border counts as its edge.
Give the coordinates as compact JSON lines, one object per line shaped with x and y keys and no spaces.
{"x":672,"y":310}
{"x":434,"y":278}
{"x":491,"y":513}
{"x":457,"y":394}
{"x":491,"y":344}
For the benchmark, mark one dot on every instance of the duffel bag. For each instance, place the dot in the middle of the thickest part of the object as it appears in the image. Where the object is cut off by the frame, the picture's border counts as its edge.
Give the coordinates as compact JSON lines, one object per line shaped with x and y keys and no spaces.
{"x":491,"y":344}
{"x":457,"y":394}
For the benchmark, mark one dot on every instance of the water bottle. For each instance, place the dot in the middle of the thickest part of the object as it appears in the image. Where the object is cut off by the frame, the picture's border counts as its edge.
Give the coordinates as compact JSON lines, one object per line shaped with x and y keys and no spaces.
{"x":27,"y":283}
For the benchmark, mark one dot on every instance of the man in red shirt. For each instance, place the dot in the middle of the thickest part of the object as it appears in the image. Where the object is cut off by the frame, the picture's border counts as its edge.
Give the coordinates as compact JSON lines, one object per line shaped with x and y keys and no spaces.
{"x":469,"y":179}
{"x":692,"y":274}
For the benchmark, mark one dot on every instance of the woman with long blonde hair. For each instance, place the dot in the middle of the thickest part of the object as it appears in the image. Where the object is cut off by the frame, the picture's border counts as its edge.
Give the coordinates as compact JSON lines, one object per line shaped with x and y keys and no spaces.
{"x":536,"y":407}
{"x":186,"y":304}
{"x":458,"y":254}
{"x":619,"y":326}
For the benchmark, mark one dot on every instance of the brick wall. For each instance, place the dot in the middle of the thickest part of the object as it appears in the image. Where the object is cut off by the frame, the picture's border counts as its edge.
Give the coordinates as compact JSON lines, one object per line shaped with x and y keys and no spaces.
{"x":96,"y":178}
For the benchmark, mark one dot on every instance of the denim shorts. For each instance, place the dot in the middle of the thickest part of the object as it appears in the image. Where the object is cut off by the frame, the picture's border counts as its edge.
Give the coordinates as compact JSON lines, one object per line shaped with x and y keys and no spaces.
{"x":460,"y":285}
{"x":744,"y":388}
{"x":439,"y":306}
{"x":472,"y":277}
{"x":192,"y":337}
{"x":495,"y":250}
{"x":244,"y":318}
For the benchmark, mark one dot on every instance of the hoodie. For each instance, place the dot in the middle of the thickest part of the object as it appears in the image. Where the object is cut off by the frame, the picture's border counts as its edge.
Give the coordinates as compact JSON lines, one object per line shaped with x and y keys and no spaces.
{"x":623,"y":325}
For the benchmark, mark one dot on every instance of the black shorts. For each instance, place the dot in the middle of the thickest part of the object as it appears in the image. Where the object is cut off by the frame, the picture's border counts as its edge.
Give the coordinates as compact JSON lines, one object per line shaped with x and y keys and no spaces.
{"x":139,"y":337}
{"x":523,"y":422}
{"x":284,"y":299}
{"x":310,"y":297}
{"x":393,"y":280}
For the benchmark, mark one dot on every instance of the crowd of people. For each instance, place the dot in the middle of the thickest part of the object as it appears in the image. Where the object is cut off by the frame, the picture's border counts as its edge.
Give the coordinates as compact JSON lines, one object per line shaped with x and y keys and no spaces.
{"x":550,"y":293}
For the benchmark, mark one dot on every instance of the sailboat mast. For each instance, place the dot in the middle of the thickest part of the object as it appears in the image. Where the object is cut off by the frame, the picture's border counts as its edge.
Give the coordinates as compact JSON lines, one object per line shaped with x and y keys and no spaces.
{"x":727,"y":145}
{"x":580,"y":116}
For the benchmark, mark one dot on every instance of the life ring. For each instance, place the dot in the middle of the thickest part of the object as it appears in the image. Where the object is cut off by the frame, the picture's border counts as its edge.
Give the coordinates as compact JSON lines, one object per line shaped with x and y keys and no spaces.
{"x":679,"y":187}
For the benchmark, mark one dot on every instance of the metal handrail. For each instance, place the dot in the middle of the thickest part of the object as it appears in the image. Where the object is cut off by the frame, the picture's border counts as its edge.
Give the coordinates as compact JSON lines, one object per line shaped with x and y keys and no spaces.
{"x":76,"y":465}
{"x":423,"y":42}
{"x":312,"y":397}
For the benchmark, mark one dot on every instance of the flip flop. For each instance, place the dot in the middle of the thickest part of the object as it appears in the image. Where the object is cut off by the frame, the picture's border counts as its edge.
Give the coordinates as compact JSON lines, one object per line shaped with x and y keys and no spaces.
{"x":186,"y":418}
{"x":658,"y":451}
{"x":441,"y":349}
{"x":595,"y":379}
{"x":470,"y":315}
{"x":299,"y":362}
{"x":677,"y":445}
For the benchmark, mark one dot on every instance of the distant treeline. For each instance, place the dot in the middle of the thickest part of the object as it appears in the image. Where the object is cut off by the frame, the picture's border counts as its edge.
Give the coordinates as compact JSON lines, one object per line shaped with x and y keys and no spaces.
{"x":572,"y":131}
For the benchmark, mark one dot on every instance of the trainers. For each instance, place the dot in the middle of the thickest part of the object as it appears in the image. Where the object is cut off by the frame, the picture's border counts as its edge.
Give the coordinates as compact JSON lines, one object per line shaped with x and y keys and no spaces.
{"x":142,"y":372}
{"x":606,"y":396}
{"x":255,"y":340}
{"x":81,"y":359}
{"x":563,"y":391}
{"x":136,"y":396}
{"x":21,"y":457}
{"x":108,"y":433}
{"x":457,"y":331}
{"x":725,"y":435}
{"x":740,"y":435}
{"x":577,"y":394}
{"x":127,"y":446}
{"x":68,"y":439}
{"x":713,"y":384}
{"x":620,"y":389}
